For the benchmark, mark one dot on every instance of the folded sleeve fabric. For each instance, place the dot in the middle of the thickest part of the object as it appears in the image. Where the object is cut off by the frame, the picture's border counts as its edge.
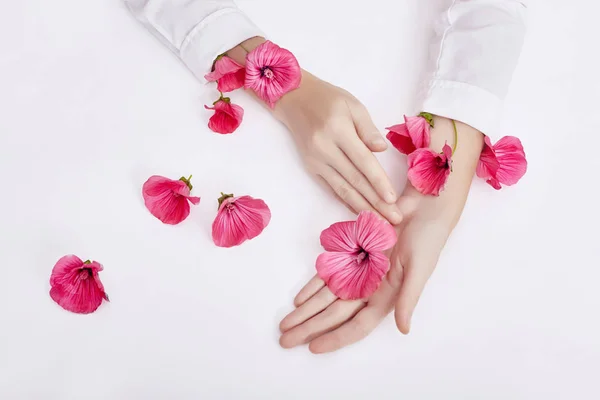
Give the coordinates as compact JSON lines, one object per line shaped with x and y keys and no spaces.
{"x":196,"y":30}
{"x":474,"y":52}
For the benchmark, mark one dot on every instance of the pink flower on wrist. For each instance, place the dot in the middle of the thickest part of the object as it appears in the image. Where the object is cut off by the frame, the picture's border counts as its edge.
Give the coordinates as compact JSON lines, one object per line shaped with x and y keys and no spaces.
{"x":428,"y":171}
{"x":412,"y":134}
{"x":271,"y":72}
{"x":228,"y":74}
{"x":503,"y":163}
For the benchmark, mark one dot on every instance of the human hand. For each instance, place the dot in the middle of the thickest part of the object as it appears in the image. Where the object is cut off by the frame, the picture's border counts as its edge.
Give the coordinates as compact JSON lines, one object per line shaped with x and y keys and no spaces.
{"x":329,"y":323}
{"x":336,"y":138}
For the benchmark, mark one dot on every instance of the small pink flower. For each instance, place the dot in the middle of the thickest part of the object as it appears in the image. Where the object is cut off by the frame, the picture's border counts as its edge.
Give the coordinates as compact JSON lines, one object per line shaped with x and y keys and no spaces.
{"x":239,"y":219}
{"x":271,"y":72}
{"x":412,"y":134}
{"x":227,"y":116}
{"x":167,"y":199}
{"x":353,"y":264}
{"x":75,"y":285}
{"x":428,"y":171}
{"x":229,"y":74}
{"x":503,"y":163}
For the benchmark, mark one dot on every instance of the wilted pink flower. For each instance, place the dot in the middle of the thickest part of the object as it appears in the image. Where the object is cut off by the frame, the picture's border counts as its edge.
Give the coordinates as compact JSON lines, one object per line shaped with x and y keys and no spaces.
{"x":239,"y":219}
{"x":412,"y":134}
{"x":227,"y":116}
{"x":428,"y":171}
{"x":229,"y":74}
{"x":503,"y":163}
{"x":75,"y":285}
{"x":353,"y":265}
{"x":271,"y":72}
{"x":167,"y":199}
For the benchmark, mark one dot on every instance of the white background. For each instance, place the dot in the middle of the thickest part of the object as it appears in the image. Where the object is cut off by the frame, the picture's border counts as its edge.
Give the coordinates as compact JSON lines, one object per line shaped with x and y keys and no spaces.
{"x":91,"y":105}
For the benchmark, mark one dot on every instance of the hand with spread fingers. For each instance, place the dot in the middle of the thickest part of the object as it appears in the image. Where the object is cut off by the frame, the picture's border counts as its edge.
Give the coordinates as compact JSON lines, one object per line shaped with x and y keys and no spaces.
{"x":328,"y":323}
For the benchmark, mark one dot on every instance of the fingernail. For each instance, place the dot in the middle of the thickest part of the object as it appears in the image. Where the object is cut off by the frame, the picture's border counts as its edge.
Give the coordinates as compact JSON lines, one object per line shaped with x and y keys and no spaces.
{"x":378,"y":141}
{"x":396,"y":218}
{"x":390,"y":197}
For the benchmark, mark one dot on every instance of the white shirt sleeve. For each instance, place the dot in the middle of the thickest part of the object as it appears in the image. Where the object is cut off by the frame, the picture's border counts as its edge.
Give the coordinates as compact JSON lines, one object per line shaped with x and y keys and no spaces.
{"x":196,"y":30}
{"x":474,"y":52}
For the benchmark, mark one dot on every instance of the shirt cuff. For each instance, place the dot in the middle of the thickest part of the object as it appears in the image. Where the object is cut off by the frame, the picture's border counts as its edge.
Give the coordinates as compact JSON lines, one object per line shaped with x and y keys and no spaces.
{"x":462,"y":102}
{"x":224,"y":30}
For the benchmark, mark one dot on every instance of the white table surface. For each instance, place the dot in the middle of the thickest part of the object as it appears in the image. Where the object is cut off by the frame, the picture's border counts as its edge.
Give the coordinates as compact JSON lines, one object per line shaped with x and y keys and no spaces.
{"x":92,"y":105}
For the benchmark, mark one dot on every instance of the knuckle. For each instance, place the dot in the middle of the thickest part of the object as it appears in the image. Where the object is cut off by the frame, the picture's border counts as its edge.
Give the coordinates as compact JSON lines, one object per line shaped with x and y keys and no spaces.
{"x":356,"y":179}
{"x":343,"y":191}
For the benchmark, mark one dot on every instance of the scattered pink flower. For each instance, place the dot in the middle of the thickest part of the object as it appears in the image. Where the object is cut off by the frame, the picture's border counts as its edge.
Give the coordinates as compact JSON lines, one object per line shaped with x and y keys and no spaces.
{"x":168,"y":199}
{"x":412,"y":134}
{"x":353,"y":264}
{"x":227,"y":116}
{"x":271,"y":72}
{"x":503,"y":163}
{"x":228,"y":74}
{"x":428,"y":171}
{"x":239,"y":219}
{"x":75,"y":285}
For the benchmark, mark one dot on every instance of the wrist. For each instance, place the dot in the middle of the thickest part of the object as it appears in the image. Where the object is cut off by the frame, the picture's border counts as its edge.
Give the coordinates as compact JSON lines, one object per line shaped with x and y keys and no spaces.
{"x":239,"y":52}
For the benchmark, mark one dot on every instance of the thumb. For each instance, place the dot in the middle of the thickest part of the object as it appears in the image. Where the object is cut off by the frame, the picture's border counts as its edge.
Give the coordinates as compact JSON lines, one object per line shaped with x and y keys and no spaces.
{"x":366,"y":129}
{"x":415,"y":278}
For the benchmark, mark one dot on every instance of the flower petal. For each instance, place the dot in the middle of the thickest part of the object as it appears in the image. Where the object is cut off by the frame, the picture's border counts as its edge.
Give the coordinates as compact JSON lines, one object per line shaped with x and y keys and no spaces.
{"x":512,"y":160}
{"x":223,"y":66}
{"x":77,"y":289}
{"x":347,"y":278}
{"x":373,"y":233}
{"x":418,"y":129}
{"x":340,"y":236}
{"x":239,"y":219}
{"x":227,"y":117}
{"x":283,"y":64}
{"x":488,"y":163}
{"x":232,"y":81}
{"x":400,"y":139}
{"x":427,"y":171}
{"x":63,"y":266}
{"x":167,"y":199}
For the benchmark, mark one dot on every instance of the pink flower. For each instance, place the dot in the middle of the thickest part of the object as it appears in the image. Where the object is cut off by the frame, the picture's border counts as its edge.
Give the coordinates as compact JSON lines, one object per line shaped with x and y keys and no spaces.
{"x":229,"y":74}
{"x":412,"y":134}
{"x":239,"y":219}
{"x":503,"y":163}
{"x":353,"y":264}
{"x":428,"y":171}
{"x":271,"y":72}
{"x":167,"y":199}
{"x":227,"y":116}
{"x":75,"y":285}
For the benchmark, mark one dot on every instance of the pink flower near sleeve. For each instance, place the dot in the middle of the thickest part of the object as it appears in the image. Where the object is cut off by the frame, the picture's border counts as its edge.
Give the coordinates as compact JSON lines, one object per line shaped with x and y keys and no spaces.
{"x":227,"y":117}
{"x":412,"y":134}
{"x":428,"y":171}
{"x":168,"y":199}
{"x":271,"y":72}
{"x":353,"y":264}
{"x":76,"y":286}
{"x":239,"y":219}
{"x":228,"y":74}
{"x":503,"y":163}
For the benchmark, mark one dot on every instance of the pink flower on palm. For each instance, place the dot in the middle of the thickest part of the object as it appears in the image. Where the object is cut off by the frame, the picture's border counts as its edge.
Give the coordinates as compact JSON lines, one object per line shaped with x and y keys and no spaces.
{"x":271,"y":72}
{"x":353,"y":265}
{"x":503,"y":163}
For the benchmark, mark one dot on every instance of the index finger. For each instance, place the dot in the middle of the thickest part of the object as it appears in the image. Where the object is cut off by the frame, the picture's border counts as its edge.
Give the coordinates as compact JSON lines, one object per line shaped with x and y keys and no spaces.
{"x":366,"y":162}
